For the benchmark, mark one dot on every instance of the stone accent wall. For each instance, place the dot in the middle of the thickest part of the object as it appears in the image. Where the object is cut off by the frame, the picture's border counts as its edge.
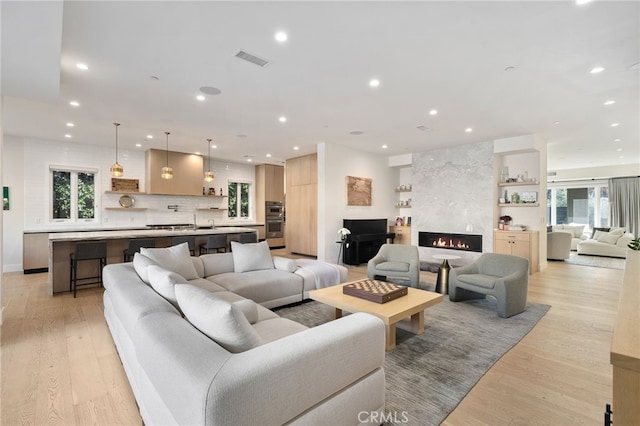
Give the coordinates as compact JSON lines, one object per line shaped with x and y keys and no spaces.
{"x":454,"y":191}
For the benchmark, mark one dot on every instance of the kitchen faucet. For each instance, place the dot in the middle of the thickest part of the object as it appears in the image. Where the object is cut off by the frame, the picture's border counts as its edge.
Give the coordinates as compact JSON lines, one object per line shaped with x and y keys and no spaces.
{"x":213,"y":223}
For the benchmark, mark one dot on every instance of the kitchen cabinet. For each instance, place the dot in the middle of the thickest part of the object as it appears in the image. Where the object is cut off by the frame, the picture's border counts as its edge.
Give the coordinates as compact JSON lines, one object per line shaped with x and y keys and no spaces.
{"x":518,"y":243}
{"x":269,"y":187}
{"x":403,"y":234}
{"x":301,"y":205}
{"x":35,"y":252}
{"x":187,"y":173}
{"x":269,"y":183}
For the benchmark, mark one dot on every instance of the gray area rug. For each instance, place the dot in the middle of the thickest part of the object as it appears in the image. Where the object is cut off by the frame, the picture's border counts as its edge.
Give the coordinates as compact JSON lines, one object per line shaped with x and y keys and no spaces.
{"x":428,"y":375}
{"x":597,"y":261}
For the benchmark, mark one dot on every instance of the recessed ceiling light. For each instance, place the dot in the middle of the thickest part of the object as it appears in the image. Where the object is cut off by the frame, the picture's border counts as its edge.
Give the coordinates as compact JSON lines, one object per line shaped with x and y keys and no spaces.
{"x":282,"y":119}
{"x":596,"y":70}
{"x":281,"y":36}
{"x":197,"y":152}
{"x":249,"y":160}
{"x":374,"y":82}
{"x":384,"y":146}
{"x":208,"y":90}
{"x":138,"y":145}
{"x":200,"y":98}
{"x":356,"y":132}
{"x":622,"y":156}
{"x":619,"y":149}
{"x":617,"y":140}
{"x":468,"y":130}
{"x":615,"y":124}
{"x":82,"y":66}
{"x":74,"y":103}
{"x":433,"y":112}
{"x":214,"y":146}
{"x":149,"y":136}
{"x":68,"y":136}
{"x":268,"y":155}
{"x":70,"y":124}
{"x":296,"y":148}
{"x":611,"y":102}
{"x":581,"y":2}
{"x":556,"y":123}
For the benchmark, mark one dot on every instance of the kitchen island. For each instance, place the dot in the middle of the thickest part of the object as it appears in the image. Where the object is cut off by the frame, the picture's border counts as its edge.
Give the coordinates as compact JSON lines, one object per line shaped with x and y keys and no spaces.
{"x":62,"y":244}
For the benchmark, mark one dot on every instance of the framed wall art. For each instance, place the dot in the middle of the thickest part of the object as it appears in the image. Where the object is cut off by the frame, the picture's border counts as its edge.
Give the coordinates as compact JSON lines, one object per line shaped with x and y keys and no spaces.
{"x":358,"y":191}
{"x":5,"y":198}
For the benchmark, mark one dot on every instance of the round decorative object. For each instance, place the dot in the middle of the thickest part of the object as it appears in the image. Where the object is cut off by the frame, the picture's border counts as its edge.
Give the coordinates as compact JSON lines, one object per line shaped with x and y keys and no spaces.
{"x":126,"y":201}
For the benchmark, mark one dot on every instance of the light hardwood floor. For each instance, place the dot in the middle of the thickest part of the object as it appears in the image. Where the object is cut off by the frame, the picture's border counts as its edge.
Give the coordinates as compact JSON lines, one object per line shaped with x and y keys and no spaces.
{"x":59,"y":364}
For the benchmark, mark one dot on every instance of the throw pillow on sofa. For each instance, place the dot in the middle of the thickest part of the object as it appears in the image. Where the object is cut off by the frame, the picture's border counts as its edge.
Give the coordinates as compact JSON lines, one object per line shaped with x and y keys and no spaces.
{"x":140,"y":264}
{"x":164,"y":281}
{"x":176,"y":258}
{"x":251,"y":256}
{"x":607,"y":237}
{"x":220,"y":320}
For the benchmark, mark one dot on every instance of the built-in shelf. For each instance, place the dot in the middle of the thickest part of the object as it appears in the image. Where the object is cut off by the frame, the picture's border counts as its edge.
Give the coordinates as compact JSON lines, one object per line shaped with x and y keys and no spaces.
{"x":126,"y":208}
{"x":517,"y":183}
{"x":519,"y":205}
{"x":165,"y":195}
{"x":211,"y":208}
{"x":125,"y":192}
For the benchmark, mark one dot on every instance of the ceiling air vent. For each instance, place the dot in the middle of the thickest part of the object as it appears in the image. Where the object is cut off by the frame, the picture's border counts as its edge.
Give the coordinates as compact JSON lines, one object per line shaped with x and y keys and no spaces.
{"x":242,"y":54}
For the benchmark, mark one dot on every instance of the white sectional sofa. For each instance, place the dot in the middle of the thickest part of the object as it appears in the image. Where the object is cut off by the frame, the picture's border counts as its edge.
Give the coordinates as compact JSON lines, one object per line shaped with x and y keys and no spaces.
{"x":193,"y":369}
{"x":612,"y":243}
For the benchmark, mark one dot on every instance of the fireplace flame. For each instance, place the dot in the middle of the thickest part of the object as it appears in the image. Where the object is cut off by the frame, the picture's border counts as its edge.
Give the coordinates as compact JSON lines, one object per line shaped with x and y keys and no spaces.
{"x":450,"y":243}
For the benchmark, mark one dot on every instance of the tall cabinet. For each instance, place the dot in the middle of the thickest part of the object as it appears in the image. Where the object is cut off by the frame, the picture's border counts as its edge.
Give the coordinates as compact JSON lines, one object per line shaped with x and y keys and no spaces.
{"x":269,"y":187}
{"x":302,"y":205}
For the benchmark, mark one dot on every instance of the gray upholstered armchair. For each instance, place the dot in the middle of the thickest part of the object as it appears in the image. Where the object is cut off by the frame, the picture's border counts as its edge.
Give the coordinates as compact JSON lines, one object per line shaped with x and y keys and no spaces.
{"x":502,"y":276}
{"x":396,"y":260}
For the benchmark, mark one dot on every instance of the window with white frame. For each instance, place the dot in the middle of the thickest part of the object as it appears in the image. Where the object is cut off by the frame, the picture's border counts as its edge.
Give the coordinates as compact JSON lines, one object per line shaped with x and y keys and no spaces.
{"x":578,"y":202}
{"x":239,"y":199}
{"x":73,"y":195}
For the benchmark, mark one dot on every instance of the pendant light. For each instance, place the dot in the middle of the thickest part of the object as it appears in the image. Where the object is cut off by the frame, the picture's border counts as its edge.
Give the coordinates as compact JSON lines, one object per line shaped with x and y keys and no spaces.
{"x":116,"y":169}
{"x":208,"y":176}
{"x":167,"y":172}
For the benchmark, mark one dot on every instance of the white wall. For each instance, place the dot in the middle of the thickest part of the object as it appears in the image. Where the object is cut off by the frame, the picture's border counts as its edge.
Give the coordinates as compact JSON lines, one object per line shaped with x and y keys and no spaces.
{"x":12,"y":176}
{"x":596,"y":173}
{"x":26,"y":165}
{"x":335,"y":163}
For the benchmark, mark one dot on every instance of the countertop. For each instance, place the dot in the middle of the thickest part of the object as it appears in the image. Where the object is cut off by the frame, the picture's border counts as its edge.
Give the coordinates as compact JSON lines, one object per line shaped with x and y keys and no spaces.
{"x":123,"y":228}
{"x":140,"y":233}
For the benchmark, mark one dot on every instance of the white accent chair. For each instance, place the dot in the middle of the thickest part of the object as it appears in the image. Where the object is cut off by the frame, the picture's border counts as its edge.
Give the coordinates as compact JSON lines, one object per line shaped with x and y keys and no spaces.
{"x":395,"y":261}
{"x":558,"y":245}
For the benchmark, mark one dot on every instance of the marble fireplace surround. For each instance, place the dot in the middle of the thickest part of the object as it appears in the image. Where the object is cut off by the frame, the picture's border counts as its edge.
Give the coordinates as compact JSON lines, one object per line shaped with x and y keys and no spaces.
{"x":453,"y":192}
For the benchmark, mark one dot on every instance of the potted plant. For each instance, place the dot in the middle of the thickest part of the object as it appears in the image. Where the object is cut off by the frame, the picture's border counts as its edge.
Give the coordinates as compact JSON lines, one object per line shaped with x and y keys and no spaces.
{"x":634,"y":244}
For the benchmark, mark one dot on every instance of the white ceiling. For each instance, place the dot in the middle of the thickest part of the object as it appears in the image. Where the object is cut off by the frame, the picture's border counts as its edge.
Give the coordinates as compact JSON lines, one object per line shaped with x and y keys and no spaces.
{"x":448,"y":55}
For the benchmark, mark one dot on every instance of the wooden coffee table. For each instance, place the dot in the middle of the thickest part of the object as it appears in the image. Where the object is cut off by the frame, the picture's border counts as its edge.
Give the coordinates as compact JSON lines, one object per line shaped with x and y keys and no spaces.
{"x":412,"y":305}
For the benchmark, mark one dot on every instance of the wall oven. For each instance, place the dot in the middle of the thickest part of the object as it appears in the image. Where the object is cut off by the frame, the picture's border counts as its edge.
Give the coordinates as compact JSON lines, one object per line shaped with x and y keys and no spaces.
{"x":274,"y":219}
